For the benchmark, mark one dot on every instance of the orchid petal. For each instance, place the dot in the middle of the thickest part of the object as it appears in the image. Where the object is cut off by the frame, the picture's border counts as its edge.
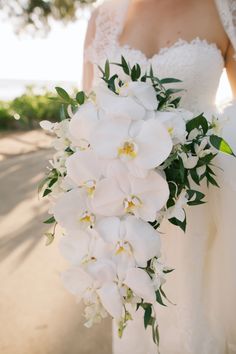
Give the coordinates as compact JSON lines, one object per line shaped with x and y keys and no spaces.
{"x":111,"y":299}
{"x":145,"y":241}
{"x":141,"y":284}
{"x":109,"y":136}
{"x":76,"y":281}
{"x":108,"y":198}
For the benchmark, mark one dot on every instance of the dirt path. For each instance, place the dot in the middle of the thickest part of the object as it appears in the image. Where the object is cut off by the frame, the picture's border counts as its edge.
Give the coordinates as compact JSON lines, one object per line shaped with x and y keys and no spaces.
{"x":37,"y":315}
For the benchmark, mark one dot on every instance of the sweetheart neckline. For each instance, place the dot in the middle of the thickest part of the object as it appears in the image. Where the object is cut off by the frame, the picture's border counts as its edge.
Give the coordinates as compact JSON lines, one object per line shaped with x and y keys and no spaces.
{"x":178,"y":43}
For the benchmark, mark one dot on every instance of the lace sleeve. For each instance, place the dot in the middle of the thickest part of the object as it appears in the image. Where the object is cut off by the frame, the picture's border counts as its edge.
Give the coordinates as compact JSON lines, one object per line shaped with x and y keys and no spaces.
{"x":227,"y":12}
{"x":108,"y":26}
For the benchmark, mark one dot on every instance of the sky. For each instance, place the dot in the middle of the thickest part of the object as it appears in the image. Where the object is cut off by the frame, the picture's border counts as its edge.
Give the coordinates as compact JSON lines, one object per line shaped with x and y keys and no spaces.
{"x":57,"y":57}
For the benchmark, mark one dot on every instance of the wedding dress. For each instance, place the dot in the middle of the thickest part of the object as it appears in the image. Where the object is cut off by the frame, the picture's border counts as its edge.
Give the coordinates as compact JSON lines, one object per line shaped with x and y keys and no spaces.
{"x":203,"y":285}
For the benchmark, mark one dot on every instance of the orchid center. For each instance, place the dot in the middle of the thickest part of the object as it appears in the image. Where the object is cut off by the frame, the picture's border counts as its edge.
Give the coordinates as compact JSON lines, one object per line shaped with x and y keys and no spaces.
{"x":171,"y":131}
{"x":123,"y":246}
{"x":90,"y":186}
{"x":131,"y":203}
{"x":128,"y":150}
{"x":87,"y":219}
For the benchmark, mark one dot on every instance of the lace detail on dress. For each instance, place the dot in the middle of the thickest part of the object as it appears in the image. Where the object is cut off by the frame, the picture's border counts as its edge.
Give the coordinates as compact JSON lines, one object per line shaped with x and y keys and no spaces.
{"x":227,"y":12}
{"x":108,"y":27}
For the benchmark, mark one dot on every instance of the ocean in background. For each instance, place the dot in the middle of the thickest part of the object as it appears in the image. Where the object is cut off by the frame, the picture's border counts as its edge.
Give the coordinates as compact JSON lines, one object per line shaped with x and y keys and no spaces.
{"x":10,"y":88}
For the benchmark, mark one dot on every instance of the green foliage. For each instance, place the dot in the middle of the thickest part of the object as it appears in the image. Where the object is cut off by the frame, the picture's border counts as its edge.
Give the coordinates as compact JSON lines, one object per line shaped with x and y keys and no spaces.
{"x":26,"y":111}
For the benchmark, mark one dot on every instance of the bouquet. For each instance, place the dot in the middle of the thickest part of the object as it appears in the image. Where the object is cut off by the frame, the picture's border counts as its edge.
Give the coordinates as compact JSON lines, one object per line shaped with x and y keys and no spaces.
{"x":127,"y":158}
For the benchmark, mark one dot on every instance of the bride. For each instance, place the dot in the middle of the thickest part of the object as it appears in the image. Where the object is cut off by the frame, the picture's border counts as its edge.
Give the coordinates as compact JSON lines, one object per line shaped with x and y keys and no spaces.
{"x":192,"y":40}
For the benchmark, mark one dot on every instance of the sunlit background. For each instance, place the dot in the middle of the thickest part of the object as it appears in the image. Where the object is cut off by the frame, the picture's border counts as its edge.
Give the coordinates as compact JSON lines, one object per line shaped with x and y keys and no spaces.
{"x":37,"y":315}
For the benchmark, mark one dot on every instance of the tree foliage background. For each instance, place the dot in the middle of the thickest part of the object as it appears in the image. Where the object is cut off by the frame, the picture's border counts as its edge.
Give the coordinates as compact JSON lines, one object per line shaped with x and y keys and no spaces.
{"x":35,"y":15}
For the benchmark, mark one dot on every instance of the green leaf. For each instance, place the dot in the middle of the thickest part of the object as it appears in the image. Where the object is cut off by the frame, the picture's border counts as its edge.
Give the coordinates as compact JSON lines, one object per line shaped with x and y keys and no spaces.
{"x":197,"y":123}
{"x":194,"y":175}
{"x":63,"y":94}
{"x":147,"y":316}
{"x":159,"y":298}
{"x":169,"y":80}
{"x":50,"y":238}
{"x":42,"y":183}
{"x":221,"y":145}
{"x":63,"y":112}
{"x":125,"y":66}
{"x":51,"y":220}
{"x":179,"y":223}
{"x":46,"y":192}
{"x":211,"y":180}
{"x":52,"y":182}
{"x":107,"y":70}
{"x":80,"y":97}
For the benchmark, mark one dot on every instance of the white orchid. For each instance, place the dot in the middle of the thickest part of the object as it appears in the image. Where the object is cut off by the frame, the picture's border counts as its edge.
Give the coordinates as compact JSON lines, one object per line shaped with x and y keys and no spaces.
{"x":125,"y":194}
{"x":85,"y":169}
{"x":159,"y":276}
{"x":72,"y":211}
{"x":132,"y":237}
{"x":177,"y":210}
{"x":116,"y":106}
{"x":101,"y":278}
{"x":200,"y":149}
{"x":142,"y":92}
{"x":83,"y":247}
{"x":82,"y":124}
{"x":175,"y":124}
{"x":142,"y":146}
{"x":189,"y":161}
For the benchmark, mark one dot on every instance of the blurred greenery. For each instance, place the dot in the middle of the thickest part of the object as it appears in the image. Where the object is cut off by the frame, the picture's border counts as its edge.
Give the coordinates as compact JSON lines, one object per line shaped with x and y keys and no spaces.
{"x":26,"y":111}
{"x":36,"y":14}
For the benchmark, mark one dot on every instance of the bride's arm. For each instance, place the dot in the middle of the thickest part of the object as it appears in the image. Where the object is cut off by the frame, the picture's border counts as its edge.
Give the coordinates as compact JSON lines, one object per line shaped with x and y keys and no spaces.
{"x":88,"y":66}
{"x":231,"y":68}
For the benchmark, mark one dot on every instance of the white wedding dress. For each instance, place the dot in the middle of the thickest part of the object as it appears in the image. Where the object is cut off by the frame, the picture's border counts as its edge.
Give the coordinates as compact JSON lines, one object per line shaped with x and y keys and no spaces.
{"x":203,"y":285}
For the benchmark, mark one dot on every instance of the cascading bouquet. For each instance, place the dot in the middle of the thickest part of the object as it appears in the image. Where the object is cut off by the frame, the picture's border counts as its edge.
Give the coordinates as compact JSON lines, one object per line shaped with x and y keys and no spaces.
{"x":127,"y":158}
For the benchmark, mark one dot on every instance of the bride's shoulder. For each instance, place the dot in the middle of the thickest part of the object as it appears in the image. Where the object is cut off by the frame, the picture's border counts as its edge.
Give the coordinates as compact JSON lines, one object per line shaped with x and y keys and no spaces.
{"x":104,"y":17}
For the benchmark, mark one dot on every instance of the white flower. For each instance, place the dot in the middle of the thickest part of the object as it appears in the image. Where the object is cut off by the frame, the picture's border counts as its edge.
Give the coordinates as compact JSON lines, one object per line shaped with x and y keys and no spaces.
{"x":141,"y":146}
{"x":85,"y":169}
{"x":72,"y":211}
{"x":143,"y":92}
{"x":127,"y":194}
{"x":116,"y":106}
{"x":82,"y":247}
{"x":218,"y":124}
{"x":82,"y":124}
{"x":47,"y":125}
{"x":132,"y":237}
{"x":101,"y":278}
{"x":159,"y":277}
{"x":177,"y":210}
{"x":175,"y":124}
{"x":94,"y":313}
{"x":201,"y":150}
{"x":189,"y":161}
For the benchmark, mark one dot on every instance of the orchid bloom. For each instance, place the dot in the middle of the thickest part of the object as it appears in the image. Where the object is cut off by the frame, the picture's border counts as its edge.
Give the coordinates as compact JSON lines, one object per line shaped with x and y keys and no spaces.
{"x":143,"y":92}
{"x":177,"y":210}
{"x":83,"y":247}
{"x":123,"y":193}
{"x":117,"y":106}
{"x":101,"y":278}
{"x":72,"y":211}
{"x":85,"y":170}
{"x":142,"y":145}
{"x":132,"y":237}
{"x":82,"y":124}
{"x":175,"y":124}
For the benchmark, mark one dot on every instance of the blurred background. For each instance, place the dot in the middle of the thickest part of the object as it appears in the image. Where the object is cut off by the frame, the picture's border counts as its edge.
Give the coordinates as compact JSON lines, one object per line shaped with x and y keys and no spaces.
{"x":41,"y":45}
